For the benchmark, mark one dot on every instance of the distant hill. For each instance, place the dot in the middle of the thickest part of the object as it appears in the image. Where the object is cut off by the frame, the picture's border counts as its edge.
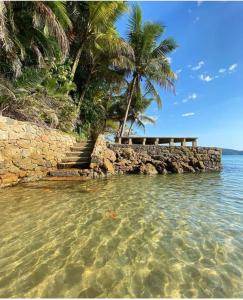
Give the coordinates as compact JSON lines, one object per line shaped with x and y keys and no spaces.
{"x":231,"y":152}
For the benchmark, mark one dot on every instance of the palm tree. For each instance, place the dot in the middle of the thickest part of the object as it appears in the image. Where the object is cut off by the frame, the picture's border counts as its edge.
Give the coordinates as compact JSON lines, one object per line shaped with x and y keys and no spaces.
{"x":92,"y":20}
{"x":97,"y":42}
{"x":29,"y":29}
{"x":150,"y":61}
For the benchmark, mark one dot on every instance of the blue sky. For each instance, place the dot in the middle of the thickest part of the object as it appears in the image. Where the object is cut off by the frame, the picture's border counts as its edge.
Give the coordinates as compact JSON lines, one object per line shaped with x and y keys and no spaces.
{"x":209,"y":63}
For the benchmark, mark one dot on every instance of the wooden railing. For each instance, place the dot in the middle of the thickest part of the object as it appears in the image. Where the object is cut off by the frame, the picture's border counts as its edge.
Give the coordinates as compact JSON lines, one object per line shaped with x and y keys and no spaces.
{"x":171,"y":141}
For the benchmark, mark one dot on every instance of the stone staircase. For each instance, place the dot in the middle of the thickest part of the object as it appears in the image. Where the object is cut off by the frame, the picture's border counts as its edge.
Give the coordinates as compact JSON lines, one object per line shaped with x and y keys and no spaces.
{"x":78,"y":157}
{"x":76,"y":163}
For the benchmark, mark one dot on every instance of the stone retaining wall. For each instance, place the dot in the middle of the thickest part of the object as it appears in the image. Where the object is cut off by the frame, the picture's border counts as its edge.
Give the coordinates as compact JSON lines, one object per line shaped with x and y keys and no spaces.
{"x":28,"y":152}
{"x":151,"y":159}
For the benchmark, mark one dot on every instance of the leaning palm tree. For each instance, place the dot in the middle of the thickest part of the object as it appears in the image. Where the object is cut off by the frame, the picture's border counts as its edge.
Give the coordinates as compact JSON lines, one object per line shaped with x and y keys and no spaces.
{"x":96,"y":47}
{"x":150,"y":59}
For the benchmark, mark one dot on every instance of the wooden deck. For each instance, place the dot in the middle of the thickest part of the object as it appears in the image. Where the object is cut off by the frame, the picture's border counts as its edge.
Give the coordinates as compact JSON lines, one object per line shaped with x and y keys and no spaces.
{"x":171,"y":141}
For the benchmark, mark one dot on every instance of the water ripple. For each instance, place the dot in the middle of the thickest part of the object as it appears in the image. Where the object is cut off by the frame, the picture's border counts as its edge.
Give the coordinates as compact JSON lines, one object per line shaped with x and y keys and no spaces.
{"x":170,"y":236}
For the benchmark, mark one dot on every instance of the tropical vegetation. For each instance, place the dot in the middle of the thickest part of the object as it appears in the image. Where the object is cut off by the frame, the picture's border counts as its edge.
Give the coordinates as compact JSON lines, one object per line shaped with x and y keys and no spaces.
{"x":64,"y":65}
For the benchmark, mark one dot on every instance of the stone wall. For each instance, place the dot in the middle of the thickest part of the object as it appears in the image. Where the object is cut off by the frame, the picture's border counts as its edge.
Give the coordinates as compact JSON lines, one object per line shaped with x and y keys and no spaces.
{"x":151,"y":159}
{"x":28,"y":152}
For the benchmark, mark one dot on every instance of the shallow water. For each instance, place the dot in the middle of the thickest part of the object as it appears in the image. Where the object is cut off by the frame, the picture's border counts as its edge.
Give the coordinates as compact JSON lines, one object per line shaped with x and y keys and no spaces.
{"x":128,"y":236}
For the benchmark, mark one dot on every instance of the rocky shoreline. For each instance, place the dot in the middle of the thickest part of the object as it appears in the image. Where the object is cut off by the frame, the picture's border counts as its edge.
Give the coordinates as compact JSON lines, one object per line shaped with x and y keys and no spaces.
{"x":113,"y":159}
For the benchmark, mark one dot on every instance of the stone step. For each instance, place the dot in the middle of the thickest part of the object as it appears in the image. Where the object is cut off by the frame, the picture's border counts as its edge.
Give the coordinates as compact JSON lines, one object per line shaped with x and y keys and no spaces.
{"x":78,"y":148}
{"x":79,"y":154}
{"x":84,"y":144}
{"x":66,"y":165}
{"x":76,"y":159}
{"x":64,"y":172}
{"x":71,"y":172}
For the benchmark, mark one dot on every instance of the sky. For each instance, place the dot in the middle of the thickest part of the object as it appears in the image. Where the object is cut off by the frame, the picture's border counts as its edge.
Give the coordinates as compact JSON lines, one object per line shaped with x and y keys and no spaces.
{"x":209,"y":64}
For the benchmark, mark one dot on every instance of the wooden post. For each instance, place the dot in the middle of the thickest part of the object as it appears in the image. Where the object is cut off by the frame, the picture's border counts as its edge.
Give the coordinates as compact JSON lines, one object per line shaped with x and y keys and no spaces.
{"x":194,"y":143}
{"x":156,"y":142}
{"x":129,"y":141}
{"x":171,"y":142}
{"x":119,"y":140}
{"x":144,"y":142}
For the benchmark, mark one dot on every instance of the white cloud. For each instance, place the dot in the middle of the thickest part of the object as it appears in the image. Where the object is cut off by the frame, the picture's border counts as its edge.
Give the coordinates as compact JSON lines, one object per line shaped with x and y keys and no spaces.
{"x":233,"y":67}
{"x":176,"y":103}
{"x":222,"y":70}
{"x":189,"y":114}
{"x":178,"y":71}
{"x":196,"y":20}
{"x":193,"y":96}
{"x":206,"y":78}
{"x":198,"y":66}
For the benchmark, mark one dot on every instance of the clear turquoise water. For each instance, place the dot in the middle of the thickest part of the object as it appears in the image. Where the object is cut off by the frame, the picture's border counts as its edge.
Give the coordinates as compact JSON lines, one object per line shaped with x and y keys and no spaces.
{"x":128,"y":236}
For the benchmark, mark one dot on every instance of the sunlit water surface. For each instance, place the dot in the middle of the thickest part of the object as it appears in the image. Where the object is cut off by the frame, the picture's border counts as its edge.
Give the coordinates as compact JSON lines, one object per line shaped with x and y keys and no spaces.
{"x":128,"y":236}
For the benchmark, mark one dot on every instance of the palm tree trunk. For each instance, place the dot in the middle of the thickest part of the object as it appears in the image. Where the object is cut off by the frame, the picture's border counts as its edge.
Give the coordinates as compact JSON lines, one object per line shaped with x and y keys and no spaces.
{"x":119,"y":128}
{"x":130,"y":95}
{"x":81,"y":98}
{"x":76,"y":61}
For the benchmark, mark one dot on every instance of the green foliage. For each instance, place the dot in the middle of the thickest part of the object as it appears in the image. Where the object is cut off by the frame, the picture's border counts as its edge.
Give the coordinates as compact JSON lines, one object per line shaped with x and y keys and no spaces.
{"x":64,"y":65}
{"x":58,"y":80}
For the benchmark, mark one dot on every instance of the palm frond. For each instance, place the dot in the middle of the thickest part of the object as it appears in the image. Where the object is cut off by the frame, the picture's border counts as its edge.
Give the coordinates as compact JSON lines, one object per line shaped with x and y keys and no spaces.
{"x":135,"y":21}
{"x":5,"y":39}
{"x":150,"y":89}
{"x":60,"y":11}
{"x":54,"y":26}
{"x":164,"y":48}
{"x":147,"y":119}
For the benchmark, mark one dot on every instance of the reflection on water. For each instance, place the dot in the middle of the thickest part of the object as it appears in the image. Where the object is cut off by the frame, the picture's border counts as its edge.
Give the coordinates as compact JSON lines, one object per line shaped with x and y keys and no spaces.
{"x":128,"y":236}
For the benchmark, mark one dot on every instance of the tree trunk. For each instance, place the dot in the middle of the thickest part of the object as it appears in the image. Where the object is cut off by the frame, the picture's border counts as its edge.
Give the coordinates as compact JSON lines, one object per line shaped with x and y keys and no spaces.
{"x":119,"y":128}
{"x":76,"y":61}
{"x":82,"y":96}
{"x":130,"y":95}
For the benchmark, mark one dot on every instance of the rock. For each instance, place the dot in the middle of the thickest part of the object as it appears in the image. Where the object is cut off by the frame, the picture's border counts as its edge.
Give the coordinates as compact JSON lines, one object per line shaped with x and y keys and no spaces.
{"x":122,"y":163}
{"x":148,"y":169}
{"x":164,"y":172}
{"x":3,"y":135}
{"x":187,"y":168}
{"x":8,"y":179}
{"x":200,"y":165}
{"x":109,"y":154}
{"x":108,"y":166}
{"x":176,"y":168}
{"x":128,"y":153}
